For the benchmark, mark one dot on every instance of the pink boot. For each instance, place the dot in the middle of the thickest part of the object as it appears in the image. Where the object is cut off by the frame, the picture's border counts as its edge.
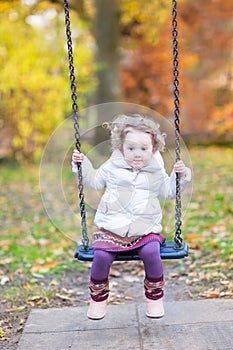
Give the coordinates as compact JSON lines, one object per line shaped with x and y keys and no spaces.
{"x":154,"y":308}
{"x":97,"y":309}
{"x":99,"y":295}
{"x":154,"y":297}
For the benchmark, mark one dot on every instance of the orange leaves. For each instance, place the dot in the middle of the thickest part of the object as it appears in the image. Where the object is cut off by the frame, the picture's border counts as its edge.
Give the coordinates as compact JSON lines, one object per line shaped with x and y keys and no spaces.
{"x":43,"y":266}
{"x":211,"y":293}
{"x":225,"y":289}
{"x":207,"y":282}
{"x":205,"y":64}
{"x":222,"y":120}
{"x":146,"y":76}
{"x":194,"y":240}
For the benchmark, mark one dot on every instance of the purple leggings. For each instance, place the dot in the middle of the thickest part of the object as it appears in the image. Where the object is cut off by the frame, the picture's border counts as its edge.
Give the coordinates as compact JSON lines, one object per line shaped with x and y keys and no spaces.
{"x":149,"y":254}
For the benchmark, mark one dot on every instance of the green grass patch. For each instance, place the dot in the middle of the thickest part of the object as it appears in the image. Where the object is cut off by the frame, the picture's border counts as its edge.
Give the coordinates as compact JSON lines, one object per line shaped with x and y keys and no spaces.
{"x":29,"y":242}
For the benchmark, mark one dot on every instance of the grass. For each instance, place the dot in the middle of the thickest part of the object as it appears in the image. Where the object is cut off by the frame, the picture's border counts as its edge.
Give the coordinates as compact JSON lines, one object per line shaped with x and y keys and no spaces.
{"x":210,"y":213}
{"x":29,"y":242}
{"x":31,"y":246}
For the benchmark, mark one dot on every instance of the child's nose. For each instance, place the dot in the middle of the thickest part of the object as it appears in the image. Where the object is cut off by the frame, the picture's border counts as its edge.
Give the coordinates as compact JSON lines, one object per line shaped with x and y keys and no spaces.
{"x":138,"y":153}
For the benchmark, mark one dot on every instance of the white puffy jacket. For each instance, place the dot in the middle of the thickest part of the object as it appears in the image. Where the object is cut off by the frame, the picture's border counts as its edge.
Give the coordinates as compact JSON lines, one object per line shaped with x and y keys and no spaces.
{"x":130,"y":204}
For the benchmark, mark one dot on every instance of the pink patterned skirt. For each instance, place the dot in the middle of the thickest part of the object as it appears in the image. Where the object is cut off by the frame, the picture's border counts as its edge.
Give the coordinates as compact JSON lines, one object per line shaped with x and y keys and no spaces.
{"x":111,"y":242}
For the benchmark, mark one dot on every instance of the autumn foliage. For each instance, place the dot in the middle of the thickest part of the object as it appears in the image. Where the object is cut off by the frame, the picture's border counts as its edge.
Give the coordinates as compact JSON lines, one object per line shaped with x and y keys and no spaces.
{"x":34,"y":84}
{"x":205,"y":69}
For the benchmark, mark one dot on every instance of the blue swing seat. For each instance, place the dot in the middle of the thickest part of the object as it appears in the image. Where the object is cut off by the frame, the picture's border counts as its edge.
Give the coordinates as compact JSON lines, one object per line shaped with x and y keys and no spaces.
{"x":168,"y":250}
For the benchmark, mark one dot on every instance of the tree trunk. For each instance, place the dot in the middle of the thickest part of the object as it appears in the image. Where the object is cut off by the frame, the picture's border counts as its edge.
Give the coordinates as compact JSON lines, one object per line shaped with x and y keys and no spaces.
{"x":106,"y":33}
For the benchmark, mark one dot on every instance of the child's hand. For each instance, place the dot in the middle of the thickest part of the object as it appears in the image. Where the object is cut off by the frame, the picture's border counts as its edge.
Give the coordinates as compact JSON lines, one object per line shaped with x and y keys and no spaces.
{"x":77,"y":157}
{"x":180,"y":168}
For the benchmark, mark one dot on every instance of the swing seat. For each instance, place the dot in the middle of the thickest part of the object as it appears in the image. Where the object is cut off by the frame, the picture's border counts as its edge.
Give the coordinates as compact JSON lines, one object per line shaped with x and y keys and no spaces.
{"x":168,"y":250}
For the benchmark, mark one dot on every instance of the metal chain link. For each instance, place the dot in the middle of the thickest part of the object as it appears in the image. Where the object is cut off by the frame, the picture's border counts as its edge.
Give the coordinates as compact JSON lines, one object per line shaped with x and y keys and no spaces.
{"x":177,"y":238}
{"x":75,"y":108}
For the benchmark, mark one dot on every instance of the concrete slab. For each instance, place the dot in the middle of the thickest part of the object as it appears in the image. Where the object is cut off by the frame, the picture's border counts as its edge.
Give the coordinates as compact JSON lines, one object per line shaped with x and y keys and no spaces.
{"x":111,"y":339}
{"x":201,"y":336}
{"x":197,"y":325}
{"x":193,"y":311}
{"x":75,"y":319}
{"x":194,"y":325}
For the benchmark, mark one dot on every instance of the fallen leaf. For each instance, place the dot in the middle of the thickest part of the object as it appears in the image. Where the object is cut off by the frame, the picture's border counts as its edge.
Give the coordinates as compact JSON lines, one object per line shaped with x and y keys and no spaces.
{"x":27,"y":286}
{"x":22,"y":321}
{"x":4,"y":280}
{"x":215,"y":265}
{"x":2,"y":334}
{"x":44,"y":267}
{"x":31,"y":303}
{"x":211,"y":294}
{"x":37,"y":275}
{"x":17,"y":309}
{"x":194,"y":237}
{"x":117,"y":302}
{"x":225,"y":283}
{"x":63,"y":297}
{"x":35,"y":298}
{"x":54,"y":283}
{"x":114,"y":273}
{"x":7,"y":261}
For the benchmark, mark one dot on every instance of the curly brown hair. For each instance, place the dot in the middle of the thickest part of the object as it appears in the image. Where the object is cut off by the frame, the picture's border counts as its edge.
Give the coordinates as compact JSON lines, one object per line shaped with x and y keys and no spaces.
{"x":122,"y":124}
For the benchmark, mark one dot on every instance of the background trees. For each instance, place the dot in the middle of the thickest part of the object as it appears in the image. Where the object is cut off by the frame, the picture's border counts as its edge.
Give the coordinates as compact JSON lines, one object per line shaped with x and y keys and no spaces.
{"x":34,"y":85}
{"x":122,"y":53}
{"x":205,"y":32}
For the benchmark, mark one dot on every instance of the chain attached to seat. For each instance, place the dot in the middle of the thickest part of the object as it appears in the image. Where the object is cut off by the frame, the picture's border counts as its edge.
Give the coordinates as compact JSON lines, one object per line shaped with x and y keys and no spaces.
{"x":75,"y":108}
{"x":177,"y":238}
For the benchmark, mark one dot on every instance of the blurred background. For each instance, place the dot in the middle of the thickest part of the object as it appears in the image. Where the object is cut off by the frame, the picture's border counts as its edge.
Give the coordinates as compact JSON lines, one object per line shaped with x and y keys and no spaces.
{"x":122,"y":52}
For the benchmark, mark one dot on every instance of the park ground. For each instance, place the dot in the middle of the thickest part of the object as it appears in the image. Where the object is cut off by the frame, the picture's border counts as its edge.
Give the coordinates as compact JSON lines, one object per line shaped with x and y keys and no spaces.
{"x":37,"y":269}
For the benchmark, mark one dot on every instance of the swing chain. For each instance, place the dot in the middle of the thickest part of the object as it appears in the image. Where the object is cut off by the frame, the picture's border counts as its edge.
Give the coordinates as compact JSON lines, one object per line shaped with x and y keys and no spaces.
{"x":76,"y":116}
{"x":177,"y":239}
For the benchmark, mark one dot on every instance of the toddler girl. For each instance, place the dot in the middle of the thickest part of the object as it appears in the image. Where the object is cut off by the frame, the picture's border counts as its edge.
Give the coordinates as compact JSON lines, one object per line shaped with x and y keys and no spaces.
{"x":129,"y":214}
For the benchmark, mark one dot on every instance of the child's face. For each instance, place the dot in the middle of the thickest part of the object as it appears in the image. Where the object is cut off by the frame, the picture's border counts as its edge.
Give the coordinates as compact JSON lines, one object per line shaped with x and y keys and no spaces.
{"x":138,"y":149}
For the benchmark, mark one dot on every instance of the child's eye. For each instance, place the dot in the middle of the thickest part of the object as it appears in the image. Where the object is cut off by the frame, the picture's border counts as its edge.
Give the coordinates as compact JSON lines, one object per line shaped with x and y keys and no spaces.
{"x":131,"y":148}
{"x":143,"y":148}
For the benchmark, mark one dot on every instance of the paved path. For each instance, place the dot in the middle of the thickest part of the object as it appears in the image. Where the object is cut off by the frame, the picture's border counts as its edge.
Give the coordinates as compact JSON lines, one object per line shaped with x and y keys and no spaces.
{"x":193,"y":325}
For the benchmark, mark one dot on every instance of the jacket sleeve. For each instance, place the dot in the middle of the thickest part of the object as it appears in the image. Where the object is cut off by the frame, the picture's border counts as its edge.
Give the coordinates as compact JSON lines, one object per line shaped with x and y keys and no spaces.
{"x":94,"y":179}
{"x":168,"y":188}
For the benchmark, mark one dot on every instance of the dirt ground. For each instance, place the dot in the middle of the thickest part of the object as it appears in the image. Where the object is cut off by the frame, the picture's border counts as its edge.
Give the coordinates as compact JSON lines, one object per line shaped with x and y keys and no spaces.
{"x":126,"y":284}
